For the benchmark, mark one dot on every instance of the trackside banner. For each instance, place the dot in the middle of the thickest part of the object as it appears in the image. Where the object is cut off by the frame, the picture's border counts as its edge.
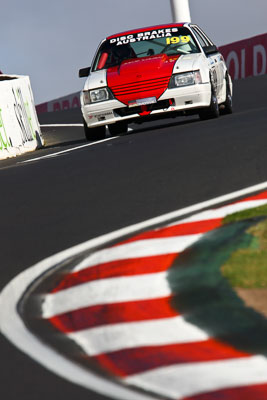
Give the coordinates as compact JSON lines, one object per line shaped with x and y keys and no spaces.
{"x":60,"y":104}
{"x":244,"y":58}
{"x":247,"y":57}
{"x":19,"y":126}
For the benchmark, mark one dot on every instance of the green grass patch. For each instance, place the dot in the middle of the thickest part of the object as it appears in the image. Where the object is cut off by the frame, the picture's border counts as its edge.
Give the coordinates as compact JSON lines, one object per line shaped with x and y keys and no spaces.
{"x":247,"y":268}
{"x":246,"y":214}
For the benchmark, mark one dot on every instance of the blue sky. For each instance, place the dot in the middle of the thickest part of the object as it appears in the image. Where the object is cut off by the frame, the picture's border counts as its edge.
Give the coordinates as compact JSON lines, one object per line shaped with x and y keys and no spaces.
{"x":50,"y":41}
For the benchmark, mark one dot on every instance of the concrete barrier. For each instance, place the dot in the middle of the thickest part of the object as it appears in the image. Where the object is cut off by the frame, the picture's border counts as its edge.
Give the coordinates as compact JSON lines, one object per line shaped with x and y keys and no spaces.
{"x":19,"y":127}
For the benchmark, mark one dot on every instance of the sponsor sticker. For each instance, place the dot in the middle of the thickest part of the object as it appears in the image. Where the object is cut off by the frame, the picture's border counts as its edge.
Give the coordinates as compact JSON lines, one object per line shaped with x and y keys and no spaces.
{"x":142,"y":102}
{"x":138,"y":37}
{"x":102,"y":116}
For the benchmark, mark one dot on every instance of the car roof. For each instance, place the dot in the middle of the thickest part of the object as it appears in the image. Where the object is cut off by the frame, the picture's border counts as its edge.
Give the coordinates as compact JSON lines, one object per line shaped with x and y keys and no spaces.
{"x":150,"y":28}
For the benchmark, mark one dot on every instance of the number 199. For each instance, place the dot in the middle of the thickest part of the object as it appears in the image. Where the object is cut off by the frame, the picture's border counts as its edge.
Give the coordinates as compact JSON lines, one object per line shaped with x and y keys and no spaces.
{"x":176,"y":39}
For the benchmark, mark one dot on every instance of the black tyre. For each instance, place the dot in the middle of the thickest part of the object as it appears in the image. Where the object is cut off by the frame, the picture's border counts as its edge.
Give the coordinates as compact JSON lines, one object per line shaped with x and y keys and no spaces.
{"x":119,"y":128}
{"x":97,"y":133}
{"x":227,"y":106}
{"x":213,"y":110}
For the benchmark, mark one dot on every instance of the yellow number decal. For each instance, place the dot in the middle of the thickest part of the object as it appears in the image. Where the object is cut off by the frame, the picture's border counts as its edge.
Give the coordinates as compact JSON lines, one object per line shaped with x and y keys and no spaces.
{"x":173,"y":40}
{"x":176,"y":39}
{"x":185,"y":39}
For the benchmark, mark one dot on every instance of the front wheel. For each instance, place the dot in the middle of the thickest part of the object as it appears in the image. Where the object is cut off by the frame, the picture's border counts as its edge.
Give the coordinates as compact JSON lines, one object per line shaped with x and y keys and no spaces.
{"x":97,"y":133}
{"x":213,"y":110}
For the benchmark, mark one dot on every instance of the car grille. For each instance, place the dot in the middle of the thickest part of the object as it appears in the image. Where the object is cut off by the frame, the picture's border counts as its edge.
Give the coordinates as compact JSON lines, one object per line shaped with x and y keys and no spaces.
{"x":127,"y":89}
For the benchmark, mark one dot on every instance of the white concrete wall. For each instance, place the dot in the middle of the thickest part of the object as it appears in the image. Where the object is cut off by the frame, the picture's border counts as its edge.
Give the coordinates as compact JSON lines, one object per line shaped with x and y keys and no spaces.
{"x":19,"y":126}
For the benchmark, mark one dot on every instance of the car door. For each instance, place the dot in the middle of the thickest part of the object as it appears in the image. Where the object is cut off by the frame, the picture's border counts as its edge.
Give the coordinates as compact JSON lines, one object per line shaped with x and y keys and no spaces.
{"x":220,"y":64}
{"x":214,"y":60}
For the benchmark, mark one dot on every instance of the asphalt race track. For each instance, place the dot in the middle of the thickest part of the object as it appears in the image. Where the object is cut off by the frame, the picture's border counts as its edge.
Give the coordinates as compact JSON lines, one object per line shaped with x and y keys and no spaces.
{"x":52,"y":203}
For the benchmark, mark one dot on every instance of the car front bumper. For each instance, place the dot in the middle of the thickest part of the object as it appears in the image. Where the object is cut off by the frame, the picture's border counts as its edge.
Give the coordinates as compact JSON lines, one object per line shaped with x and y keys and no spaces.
{"x":178,"y":100}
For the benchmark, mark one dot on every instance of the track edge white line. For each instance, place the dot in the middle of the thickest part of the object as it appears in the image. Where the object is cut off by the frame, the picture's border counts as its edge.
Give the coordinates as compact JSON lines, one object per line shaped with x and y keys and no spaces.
{"x":14,"y":329}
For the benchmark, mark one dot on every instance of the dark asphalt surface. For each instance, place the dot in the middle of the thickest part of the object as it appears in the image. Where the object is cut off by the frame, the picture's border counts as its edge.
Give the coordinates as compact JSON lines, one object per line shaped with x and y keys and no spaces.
{"x":52,"y":204}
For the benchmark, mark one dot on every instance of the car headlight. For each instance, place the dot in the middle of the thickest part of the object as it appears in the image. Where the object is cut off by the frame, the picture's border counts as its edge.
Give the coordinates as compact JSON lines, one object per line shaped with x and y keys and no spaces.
{"x":185,"y":79}
{"x":97,"y":95}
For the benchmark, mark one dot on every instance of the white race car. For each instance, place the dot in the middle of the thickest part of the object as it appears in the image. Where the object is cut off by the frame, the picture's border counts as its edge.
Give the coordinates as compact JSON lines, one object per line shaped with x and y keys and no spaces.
{"x":151,"y":73}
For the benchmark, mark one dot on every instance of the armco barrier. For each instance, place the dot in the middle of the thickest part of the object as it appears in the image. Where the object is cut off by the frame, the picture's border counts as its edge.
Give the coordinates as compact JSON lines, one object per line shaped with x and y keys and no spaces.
{"x":19,"y":127}
{"x":244,"y":58}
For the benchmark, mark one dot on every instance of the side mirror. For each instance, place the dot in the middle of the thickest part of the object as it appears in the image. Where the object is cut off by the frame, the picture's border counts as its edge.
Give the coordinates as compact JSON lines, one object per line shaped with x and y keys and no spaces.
{"x":210,"y":50}
{"x":84,"y":72}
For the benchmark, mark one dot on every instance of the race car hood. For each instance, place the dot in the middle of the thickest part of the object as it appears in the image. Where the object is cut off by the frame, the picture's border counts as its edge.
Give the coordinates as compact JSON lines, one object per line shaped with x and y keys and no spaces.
{"x":141,"y":78}
{"x":188,"y":62}
{"x":96,"y":79}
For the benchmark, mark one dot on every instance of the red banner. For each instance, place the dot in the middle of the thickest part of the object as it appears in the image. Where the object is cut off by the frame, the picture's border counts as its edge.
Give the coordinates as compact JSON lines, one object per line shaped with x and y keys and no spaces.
{"x":63,"y":103}
{"x":247,"y":57}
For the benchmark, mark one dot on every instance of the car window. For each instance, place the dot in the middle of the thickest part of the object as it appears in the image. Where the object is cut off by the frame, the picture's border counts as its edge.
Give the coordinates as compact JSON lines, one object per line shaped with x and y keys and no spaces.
{"x":205,"y":37}
{"x":169,"y":41}
{"x":200,"y":38}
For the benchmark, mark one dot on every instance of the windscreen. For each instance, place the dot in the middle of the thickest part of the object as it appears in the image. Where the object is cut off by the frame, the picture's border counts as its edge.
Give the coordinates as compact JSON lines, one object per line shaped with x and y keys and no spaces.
{"x":169,"y":41}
